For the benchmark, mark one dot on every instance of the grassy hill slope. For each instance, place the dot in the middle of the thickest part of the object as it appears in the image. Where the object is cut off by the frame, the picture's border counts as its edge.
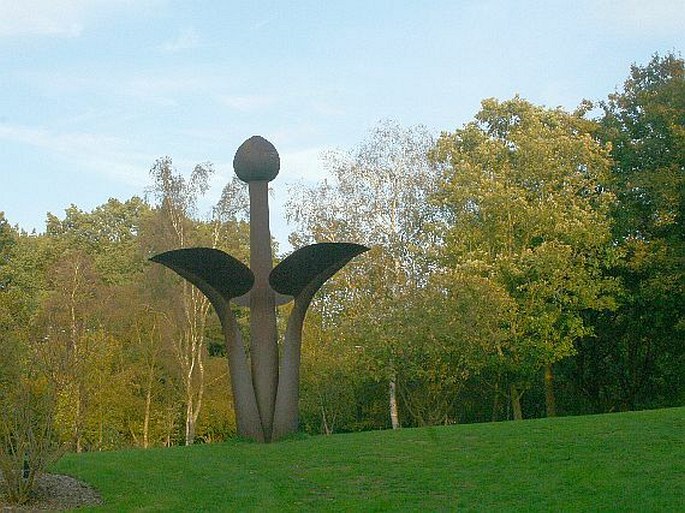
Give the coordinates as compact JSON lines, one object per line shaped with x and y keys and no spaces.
{"x":619,"y":462}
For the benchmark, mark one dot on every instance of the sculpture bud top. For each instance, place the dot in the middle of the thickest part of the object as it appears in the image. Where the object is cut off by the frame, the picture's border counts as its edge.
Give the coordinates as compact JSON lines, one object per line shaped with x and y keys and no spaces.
{"x":256,"y":160}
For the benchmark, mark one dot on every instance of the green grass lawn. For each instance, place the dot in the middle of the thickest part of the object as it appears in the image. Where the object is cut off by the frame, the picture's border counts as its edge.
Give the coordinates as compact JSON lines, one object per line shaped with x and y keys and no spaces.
{"x":619,"y":462}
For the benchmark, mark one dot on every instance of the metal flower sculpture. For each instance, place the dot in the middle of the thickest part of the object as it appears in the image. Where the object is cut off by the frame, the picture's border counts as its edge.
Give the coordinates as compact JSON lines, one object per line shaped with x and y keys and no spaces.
{"x":265,"y":394}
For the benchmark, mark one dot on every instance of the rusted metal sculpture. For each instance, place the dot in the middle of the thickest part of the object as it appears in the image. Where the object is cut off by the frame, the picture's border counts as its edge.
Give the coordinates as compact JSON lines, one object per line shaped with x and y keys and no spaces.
{"x":265,"y":394}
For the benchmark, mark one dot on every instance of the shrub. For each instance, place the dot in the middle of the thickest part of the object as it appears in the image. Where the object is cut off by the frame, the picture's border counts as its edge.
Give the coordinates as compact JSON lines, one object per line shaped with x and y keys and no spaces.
{"x":28,"y":442}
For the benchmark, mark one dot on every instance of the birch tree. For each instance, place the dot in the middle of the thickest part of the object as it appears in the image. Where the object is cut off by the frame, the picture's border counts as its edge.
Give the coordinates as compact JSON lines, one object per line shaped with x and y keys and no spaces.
{"x":68,"y":320}
{"x":177,"y":200}
{"x":376,"y":194}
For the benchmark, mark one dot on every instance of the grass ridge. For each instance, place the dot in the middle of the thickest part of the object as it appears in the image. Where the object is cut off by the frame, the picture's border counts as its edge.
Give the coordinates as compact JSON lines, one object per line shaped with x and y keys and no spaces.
{"x":615,"y":462}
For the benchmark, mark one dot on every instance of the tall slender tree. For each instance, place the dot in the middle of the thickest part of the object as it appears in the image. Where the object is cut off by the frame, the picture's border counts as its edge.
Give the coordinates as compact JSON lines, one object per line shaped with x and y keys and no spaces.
{"x":177,"y":199}
{"x":376,"y":194}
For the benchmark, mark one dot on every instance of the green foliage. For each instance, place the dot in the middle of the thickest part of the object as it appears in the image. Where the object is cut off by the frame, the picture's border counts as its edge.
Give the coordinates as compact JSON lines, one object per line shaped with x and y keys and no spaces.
{"x":27,"y":398}
{"x":619,"y":462}
{"x":28,"y":442}
{"x":328,"y":382}
{"x":637,"y":357}
{"x":84,"y":302}
{"x":526,"y":208}
{"x":645,"y":123}
{"x":108,"y":234}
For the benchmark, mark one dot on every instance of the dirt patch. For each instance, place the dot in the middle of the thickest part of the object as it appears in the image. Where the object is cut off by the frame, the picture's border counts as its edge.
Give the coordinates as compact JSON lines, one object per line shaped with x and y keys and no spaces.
{"x":55,"y":492}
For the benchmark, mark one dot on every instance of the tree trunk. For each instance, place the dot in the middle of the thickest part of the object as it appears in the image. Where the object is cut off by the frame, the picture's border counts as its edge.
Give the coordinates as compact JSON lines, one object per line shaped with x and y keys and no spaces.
{"x":550,"y":401}
{"x":146,"y":420}
{"x":193,"y":412}
{"x":73,"y":349}
{"x":394,"y":415}
{"x":324,"y":418}
{"x":77,"y":423}
{"x":100,"y":431}
{"x":196,"y":312}
{"x":495,"y":403}
{"x":516,"y":403}
{"x":148,"y":407}
{"x":197,"y":405}
{"x":190,"y":425}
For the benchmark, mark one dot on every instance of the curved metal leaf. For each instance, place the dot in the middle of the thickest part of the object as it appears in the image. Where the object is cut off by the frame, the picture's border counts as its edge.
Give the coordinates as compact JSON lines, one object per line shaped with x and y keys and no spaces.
{"x":309,"y":267}
{"x":210,"y":270}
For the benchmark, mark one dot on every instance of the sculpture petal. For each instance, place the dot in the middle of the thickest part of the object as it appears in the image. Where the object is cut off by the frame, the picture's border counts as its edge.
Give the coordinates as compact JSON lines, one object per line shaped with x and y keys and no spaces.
{"x":309,"y":267}
{"x":301,"y":275}
{"x":221,"y":278}
{"x":210,"y":270}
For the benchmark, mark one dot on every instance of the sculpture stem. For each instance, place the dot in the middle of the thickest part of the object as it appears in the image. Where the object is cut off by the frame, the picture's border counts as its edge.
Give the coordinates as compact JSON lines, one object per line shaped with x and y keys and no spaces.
{"x":248,"y":422}
{"x":263,"y":336}
{"x":287,"y":398}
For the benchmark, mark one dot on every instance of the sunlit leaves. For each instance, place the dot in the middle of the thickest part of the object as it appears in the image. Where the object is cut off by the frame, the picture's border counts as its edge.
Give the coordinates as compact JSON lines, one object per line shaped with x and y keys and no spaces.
{"x":527,"y":209}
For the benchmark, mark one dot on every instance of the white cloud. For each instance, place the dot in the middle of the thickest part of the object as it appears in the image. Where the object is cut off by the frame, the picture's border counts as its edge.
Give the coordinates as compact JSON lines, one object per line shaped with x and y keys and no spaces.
{"x":264,"y":22}
{"x":110,"y":156}
{"x":246,"y":103}
{"x":640,"y":16}
{"x":41,"y":17}
{"x":156,"y":88}
{"x":56,"y":18}
{"x":162,"y":89}
{"x":302,"y":165}
{"x":187,"y":39}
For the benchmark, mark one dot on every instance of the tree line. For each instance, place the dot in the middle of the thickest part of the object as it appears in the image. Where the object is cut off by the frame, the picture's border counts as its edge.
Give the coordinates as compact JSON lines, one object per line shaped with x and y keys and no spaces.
{"x":529,"y":263}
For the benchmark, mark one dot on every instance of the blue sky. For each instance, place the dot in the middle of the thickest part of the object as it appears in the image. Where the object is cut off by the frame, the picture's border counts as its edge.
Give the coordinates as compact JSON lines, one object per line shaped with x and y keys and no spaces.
{"x":93,"y":91}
